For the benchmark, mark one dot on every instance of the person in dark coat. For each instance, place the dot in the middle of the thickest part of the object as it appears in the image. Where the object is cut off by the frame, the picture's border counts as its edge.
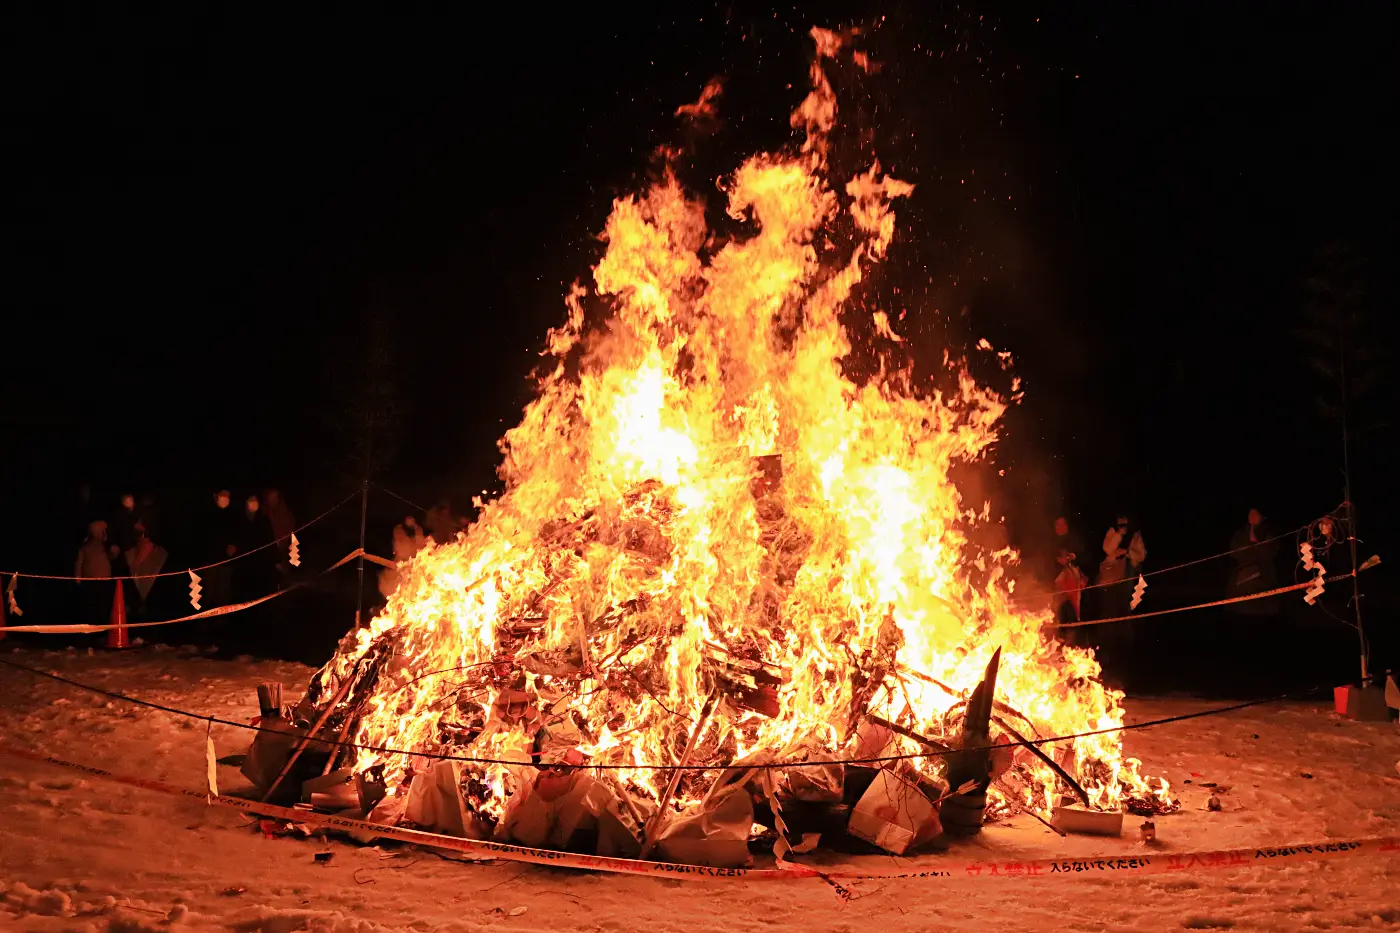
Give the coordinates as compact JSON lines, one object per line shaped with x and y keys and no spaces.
{"x":94,"y":568}
{"x":441,"y":525}
{"x":254,"y":573}
{"x":283,"y":523}
{"x":220,"y":531}
{"x":145,"y":560}
{"x":121,"y":530}
{"x":279,"y":515}
{"x":1255,"y":570}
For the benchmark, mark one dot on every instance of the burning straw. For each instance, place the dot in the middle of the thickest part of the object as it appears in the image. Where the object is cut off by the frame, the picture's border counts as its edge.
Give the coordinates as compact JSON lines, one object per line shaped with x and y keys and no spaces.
{"x":698,"y":502}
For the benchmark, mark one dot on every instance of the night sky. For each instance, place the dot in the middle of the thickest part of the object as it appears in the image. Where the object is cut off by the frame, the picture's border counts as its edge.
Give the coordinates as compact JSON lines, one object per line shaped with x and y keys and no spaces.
{"x":219,"y":220}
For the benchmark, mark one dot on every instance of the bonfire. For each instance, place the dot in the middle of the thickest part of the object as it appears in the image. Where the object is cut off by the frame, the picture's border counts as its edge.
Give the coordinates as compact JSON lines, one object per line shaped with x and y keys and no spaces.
{"x":719,"y":553}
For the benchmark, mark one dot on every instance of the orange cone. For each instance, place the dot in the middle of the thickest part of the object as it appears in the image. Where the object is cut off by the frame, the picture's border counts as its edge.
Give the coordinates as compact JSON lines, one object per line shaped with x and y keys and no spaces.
{"x":116,"y":637}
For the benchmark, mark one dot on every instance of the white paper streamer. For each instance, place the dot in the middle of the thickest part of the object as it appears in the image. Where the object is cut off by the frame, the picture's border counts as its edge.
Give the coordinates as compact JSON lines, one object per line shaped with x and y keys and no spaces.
{"x":1137,"y":592}
{"x":1311,"y":594}
{"x":211,"y":763}
{"x":195,"y":590}
{"x":294,"y":552}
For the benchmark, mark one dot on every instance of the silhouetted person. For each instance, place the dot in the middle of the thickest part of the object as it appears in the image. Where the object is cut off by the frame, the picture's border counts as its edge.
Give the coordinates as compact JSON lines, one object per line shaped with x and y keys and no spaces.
{"x":279,"y":516}
{"x":219,"y":530}
{"x":144,"y":559}
{"x":121,"y":530}
{"x":1069,"y":575}
{"x":147,"y":514}
{"x":283,"y":523}
{"x":93,"y":565}
{"x":409,"y":539}
{"x":1254,"y":556}
{"x":441,"y":524}
{"x":254,"y":573}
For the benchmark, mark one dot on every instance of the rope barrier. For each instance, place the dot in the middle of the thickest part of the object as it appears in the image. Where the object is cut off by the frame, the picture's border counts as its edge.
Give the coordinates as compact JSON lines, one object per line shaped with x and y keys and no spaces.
{"x":1219,"y":602}
{"x":404,"y":499}
{"x":83,"y":629}
{"x":437,"y":756}
{"x":186,"y":571}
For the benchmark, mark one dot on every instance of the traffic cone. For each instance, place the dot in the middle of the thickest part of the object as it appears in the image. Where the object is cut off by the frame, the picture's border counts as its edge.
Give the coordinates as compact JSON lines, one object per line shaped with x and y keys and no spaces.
{"x":116,"y":637}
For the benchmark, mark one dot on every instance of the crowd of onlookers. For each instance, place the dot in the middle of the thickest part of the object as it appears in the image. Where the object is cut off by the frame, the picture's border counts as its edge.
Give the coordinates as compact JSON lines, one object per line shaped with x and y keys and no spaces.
{"x":128,"y":541}
{"x":1098,"y":583}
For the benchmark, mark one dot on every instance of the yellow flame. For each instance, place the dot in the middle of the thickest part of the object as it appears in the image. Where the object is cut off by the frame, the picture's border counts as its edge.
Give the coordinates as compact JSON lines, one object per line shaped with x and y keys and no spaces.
{"x":640,"y":550}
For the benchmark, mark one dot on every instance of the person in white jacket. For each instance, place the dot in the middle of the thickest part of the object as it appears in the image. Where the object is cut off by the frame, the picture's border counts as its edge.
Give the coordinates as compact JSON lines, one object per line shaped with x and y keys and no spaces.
{"x":1124,"y":554}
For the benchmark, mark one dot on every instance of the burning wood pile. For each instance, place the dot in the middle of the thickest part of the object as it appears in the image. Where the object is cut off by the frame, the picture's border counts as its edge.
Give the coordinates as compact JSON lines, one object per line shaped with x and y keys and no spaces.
{"x":728,"y":597}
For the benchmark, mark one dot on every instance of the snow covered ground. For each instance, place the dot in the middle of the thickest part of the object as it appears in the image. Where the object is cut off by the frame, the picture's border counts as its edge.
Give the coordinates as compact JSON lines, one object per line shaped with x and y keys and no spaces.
{"x":81,"y":854}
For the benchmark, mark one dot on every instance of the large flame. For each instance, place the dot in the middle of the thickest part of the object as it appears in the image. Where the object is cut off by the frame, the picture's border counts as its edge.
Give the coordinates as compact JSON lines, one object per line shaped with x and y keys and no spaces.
{"x":698,"y":490}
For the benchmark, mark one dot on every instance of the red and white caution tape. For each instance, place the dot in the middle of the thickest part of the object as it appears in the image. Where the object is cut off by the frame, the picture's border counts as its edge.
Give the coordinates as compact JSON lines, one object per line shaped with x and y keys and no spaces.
{"x":1138,"y":863}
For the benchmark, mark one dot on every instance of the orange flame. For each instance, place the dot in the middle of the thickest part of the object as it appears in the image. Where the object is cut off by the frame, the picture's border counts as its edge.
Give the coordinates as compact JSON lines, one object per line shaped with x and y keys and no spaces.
{"x":642,"y":551}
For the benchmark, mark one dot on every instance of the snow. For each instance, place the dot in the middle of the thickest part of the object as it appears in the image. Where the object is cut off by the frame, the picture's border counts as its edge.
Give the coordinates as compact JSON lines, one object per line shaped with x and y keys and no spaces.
{"x":81,"y":854}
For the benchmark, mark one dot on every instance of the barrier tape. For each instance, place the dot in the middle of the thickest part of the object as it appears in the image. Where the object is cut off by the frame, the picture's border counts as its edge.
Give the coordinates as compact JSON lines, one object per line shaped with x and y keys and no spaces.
{"x":1149,"y":862}
{"x":82,"y":629}
{"x":1219,"y":602}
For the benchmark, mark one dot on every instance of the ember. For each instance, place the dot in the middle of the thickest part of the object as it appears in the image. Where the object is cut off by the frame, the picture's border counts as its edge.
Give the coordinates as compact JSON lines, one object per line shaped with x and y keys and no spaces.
{"x":716,"y":550}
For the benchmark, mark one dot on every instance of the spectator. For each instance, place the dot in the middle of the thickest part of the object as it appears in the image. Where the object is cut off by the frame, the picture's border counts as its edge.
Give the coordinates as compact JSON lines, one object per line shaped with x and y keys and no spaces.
{"x":146,"y":515}
{"x":1069,"y":578}
{"x":220,"y":533}
{"x":1254,"y":556}
{"x":282,"y":523}
{"x":145,"y":559}
{"x":279,"y":516}
{"x":441,"y":525}
{"x":94,"y":567}
{"x":1124,"y":554}
{"x":122,"y":528}
{"x":254,"y":573}
{"x":409,"y":539}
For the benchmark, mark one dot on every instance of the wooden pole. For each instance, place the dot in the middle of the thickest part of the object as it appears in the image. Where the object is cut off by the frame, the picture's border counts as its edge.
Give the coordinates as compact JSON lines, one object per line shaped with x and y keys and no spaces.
{"x":653,"y":827}
{"x":937,"y":746}
{"x":909,"y":733}
{"x":360,"y":569}
{"x":1035,"y":750}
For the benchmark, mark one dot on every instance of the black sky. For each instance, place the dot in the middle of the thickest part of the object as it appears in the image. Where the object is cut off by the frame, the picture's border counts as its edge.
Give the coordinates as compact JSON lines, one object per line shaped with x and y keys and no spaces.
{"x":209,"y":208}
